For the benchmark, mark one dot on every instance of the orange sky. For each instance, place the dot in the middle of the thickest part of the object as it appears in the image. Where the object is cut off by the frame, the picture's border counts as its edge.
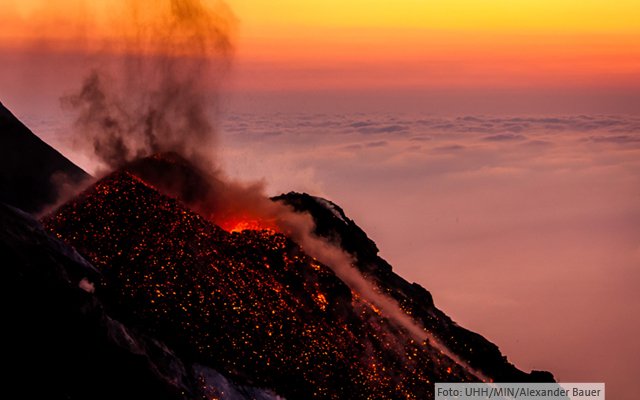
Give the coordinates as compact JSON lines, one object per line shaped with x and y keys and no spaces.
{"x":402,"y":44}
{"x":409,"y":43}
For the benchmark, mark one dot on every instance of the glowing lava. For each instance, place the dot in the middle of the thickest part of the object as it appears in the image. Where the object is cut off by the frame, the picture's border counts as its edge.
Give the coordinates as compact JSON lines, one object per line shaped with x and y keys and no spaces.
{"x":239,"y":224}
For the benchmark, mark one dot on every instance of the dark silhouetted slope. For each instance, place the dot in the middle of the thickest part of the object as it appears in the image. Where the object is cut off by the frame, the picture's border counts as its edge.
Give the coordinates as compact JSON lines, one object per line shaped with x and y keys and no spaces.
{"x":31,"y":172}
{"x":61,"y":342}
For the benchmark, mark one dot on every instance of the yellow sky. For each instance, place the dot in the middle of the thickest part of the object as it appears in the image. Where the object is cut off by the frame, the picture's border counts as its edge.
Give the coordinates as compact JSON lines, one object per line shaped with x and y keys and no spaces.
{"x":271,"y":18}
{"x":292,"y":43}
{"x":517,"y":43}
{"x":494,"y":15}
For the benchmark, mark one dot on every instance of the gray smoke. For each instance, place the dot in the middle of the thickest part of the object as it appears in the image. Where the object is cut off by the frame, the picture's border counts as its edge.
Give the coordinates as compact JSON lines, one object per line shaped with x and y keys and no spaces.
{"x":160,"y":93}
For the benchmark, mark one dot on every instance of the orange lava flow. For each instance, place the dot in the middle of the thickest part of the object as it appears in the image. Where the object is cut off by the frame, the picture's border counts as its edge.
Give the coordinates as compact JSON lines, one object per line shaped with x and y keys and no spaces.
{"x":239,"y":224}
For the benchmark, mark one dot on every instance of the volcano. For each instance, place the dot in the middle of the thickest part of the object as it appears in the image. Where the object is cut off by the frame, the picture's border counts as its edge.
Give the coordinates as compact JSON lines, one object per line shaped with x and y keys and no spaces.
{"x":180,"y":307}
{"x":253,"y":304}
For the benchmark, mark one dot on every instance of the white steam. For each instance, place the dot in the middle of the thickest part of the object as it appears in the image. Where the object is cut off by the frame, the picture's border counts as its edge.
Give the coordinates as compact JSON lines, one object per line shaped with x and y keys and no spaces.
{"x":300,"y":227}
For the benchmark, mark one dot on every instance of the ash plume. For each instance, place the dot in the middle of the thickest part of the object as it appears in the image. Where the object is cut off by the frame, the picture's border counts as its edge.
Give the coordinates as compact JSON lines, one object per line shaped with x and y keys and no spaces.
{"x":160,"y":93}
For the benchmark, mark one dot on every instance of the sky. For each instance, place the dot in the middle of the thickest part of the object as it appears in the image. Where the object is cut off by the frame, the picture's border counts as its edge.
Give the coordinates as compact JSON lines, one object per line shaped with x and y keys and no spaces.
{"x":492,"y":56}
{"x":490,"y":148}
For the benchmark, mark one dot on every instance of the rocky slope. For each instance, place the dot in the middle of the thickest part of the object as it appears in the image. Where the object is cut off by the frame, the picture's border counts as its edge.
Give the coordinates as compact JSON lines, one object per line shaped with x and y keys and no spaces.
{"x":64,"y":343}
{"x":254,"y":305}
{"x":32,"y":174}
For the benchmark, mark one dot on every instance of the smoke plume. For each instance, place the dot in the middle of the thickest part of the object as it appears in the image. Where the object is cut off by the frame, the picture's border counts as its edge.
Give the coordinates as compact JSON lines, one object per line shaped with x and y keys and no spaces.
{"x":160,"y":92}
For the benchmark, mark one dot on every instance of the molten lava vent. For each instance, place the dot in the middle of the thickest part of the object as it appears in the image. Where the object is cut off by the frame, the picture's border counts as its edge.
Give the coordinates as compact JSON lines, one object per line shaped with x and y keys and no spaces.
{"x":204,"y":192}
{"x":244,"y":223}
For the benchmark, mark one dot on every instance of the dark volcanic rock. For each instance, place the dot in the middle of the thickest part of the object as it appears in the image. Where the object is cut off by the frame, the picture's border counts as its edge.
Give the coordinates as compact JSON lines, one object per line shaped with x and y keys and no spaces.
{"x":60,"y":343}
{"x":31,"y":172}
{"x":63,"y":344}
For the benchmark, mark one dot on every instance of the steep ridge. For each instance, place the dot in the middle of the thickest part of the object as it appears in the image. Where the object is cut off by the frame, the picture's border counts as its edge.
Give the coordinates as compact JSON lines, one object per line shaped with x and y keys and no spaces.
{"x":32,"y":173}
{"x":333,"y":224}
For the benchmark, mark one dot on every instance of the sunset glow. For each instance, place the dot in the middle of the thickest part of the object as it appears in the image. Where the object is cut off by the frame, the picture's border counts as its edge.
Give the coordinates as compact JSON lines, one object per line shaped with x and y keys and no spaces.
{"x":306,"y":45}
{"x":359,"y":44}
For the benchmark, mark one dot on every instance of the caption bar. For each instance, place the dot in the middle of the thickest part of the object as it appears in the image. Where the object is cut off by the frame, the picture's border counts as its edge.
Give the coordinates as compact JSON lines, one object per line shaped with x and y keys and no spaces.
{"x":521,"y":391}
